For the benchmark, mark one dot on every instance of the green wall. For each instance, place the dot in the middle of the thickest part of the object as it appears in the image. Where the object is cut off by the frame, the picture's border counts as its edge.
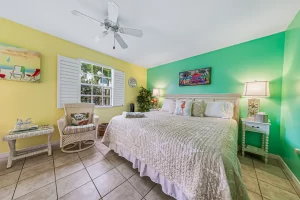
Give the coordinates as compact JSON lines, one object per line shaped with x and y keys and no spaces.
{"x":260,"y":59}
{"x":290,"y":110}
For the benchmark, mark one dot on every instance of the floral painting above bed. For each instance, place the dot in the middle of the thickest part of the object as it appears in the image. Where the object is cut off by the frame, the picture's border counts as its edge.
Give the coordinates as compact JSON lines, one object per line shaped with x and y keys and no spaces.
{"x":200,"y":76}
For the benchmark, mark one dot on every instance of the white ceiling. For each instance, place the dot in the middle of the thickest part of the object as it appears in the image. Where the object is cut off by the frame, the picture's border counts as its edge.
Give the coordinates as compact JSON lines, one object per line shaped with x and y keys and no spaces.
{"x":173,"y":30}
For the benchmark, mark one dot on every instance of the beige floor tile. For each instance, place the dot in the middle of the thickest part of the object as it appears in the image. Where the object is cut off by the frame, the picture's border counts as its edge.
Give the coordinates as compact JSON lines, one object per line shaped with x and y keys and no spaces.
{"x":108,"y":181}
{"x":99,"y":168}
{"x":58,"y":153}
{"x":275,"y":180}
{"x":247,"y":160}
{"x":251,"y":184}
{"x":88,"y":152}
{"x":34,"y":183}
{"x":254,"y":196}
{"x":142,"y":184}
{"x":65,"y":159}
{"x":67,"y":169}
{"x":6,"y":193}
{"x":248,"y":170}
{"x":157,"y":194}
{"x":127,"y":170}
{"x":92,"y":159}
{"x":34,"y":160}
{"x":87,"y":191}
{"x":9,"y":179}
{"x":47,"y":192}
{"x":16,"y":165}
{"x":271,"y":161}
{"x":36,"y":169}
{"x":72,"y":182}
{"x":107,"y":152}
{"x":275,"y":193}
{"x":277,"y":171}
{"x":116,"y":160}
{"x":124,"y":192}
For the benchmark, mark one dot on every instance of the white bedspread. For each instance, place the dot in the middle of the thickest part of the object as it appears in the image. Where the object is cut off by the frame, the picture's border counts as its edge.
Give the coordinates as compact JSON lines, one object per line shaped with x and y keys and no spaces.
{"x":199,"y":155}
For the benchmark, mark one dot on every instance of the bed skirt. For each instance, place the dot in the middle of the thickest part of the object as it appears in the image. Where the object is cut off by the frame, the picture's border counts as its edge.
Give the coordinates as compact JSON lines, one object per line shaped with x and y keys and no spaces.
{"x":145,"y":170}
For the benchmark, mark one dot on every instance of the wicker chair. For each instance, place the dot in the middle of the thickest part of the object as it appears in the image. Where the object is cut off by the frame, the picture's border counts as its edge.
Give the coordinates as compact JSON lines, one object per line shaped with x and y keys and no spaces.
{"x":84,"y":140}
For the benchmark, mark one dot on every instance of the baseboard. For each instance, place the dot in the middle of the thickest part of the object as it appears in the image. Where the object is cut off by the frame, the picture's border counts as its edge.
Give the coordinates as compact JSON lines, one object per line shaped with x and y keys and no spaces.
{"x":289,"y":172}
{"x":5,"y":155}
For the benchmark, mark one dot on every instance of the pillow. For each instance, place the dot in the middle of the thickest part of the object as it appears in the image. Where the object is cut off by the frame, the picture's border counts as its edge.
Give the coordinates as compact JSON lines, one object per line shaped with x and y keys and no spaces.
{"x":219,"y":109}
{"x":167,"y":105}
{"x":134,"y":115}
{"x":198,"y":108}
{"x":183,"y":107}
{"x":79,"y":119}
{"x":172,"y":107}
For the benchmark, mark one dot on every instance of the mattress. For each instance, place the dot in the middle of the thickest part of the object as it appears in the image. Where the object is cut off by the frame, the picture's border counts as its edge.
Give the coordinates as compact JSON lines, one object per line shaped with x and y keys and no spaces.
{"x":192,"y":157}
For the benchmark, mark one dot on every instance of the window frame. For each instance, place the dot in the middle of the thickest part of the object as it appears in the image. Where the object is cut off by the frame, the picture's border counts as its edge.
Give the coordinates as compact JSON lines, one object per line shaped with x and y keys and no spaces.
{"x":92,"y":85}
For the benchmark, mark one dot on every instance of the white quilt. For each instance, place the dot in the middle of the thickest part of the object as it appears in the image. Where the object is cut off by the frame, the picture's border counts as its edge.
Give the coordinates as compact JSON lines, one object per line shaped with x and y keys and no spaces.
{"x":197,"y":154}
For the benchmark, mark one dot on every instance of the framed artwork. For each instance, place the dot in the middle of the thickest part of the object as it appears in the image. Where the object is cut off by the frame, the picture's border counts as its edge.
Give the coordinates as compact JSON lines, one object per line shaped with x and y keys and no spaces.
{"x":19,"y":64}
{"x":200,"y":76}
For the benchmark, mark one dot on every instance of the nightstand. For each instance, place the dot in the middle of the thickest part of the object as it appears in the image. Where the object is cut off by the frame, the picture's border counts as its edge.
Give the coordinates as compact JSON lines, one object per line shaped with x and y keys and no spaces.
{"x":257,"y":127}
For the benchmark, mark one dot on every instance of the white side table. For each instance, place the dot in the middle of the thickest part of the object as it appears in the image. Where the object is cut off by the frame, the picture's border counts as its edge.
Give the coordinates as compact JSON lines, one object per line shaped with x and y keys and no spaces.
{"x":264,"y":129}
{"x":11,"y":139}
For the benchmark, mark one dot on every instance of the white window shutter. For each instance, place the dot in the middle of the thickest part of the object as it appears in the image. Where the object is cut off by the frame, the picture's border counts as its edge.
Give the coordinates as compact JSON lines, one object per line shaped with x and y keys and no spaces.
{"x":68,"y":81}
{"x":118,"y":88}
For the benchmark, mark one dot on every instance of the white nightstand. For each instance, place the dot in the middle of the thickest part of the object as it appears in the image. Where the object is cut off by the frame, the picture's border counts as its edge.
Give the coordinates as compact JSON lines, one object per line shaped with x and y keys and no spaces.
{"x":264,"y":129}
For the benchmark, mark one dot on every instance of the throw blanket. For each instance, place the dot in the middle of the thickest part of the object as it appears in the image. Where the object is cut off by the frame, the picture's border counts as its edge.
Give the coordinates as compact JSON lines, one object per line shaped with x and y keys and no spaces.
{"x":198,"y":154}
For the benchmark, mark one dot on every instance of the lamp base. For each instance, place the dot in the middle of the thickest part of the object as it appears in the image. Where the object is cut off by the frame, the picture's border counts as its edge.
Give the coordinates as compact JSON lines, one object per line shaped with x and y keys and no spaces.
{"x":253,"y":107}
{"x":155,"y":103}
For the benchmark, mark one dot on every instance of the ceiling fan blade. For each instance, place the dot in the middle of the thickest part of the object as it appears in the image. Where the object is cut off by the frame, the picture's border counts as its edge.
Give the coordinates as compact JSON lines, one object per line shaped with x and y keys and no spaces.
{"x":99,"y":37}
{"x":121,"y":41}
{"x":130,"y":31}
{"x":113,"y":11}
{"x":80,"y":14}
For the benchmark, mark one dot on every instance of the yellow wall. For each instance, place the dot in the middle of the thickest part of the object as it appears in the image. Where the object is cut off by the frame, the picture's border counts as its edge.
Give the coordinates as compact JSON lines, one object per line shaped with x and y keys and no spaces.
{"x":38,"y":100}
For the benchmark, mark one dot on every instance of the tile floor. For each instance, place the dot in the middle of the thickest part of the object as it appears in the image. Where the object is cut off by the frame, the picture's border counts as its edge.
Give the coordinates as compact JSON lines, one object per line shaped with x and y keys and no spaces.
{"x":99,"y":173}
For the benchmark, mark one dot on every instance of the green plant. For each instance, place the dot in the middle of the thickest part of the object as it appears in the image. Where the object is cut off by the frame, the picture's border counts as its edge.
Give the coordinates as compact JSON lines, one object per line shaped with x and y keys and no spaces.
{"x":144,"y":100}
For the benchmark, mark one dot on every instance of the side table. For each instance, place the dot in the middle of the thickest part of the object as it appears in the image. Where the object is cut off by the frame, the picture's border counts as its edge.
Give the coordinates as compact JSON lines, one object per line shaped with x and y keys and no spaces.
{"x":12,"y":137}
{"x":263,"y":129}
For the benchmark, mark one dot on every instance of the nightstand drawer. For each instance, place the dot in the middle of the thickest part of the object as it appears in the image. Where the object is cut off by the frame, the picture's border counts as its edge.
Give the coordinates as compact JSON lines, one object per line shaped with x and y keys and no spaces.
{"x":254,"y":127}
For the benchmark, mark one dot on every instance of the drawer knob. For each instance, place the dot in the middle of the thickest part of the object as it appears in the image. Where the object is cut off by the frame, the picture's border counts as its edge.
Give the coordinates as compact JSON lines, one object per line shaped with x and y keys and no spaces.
{"x":255,"y":127}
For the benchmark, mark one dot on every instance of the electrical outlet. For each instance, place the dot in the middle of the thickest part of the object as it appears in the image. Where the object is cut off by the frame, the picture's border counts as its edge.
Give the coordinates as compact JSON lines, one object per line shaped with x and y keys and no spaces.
{"x":297,"y":151}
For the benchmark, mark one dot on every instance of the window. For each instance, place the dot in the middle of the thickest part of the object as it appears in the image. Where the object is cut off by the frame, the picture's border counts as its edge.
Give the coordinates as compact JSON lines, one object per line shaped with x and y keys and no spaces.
{"x":80,"y":81}
{"x":95,"y":84}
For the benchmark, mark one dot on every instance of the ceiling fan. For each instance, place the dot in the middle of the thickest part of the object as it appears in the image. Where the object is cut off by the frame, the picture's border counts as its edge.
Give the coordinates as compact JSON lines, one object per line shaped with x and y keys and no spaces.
{"x":111,"y":25}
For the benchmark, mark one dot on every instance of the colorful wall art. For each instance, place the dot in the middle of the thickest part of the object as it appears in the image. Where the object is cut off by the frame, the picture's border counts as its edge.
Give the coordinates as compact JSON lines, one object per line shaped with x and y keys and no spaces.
{"x":200,"y":76}
{"x":19,"y":64}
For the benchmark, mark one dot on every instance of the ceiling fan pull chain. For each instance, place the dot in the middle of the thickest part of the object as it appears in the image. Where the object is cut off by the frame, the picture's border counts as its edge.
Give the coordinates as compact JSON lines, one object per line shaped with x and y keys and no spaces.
{"x":114,"y":47}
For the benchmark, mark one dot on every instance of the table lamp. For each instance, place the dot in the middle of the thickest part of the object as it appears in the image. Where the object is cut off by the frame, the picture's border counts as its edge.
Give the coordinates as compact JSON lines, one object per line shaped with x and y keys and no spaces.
{"x":255,"y":90}
{"x":156,"y":92}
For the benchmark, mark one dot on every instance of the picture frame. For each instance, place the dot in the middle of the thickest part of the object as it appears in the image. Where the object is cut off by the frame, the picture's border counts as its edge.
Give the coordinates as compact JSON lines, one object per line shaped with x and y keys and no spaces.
{"x":201,"y":76}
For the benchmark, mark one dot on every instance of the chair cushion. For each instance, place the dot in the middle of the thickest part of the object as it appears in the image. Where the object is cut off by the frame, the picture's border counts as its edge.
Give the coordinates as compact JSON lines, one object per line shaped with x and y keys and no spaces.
{"x":79,"y":129}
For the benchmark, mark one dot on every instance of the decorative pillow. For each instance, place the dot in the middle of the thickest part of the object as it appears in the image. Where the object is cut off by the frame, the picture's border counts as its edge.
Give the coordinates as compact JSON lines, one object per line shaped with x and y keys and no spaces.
{"x":219,"y":109}
{"x":172,"y":107}
{"x":134,"y":115}
{"x":166,"y":105}
{"x":79,"y":119}
{"x":198,"y":108}
{"x":183,"y":107}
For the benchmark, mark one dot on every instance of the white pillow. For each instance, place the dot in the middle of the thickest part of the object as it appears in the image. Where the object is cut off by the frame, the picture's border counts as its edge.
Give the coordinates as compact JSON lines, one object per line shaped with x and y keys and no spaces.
{"x":184,"y":107}
{"x":219,"y":109}
{"x":172,"y":107}
{"x":167,"y":105}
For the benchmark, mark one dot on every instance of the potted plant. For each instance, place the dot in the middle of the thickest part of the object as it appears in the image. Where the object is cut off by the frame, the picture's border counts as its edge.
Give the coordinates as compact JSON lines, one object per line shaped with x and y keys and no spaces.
{"x":144,"y":100}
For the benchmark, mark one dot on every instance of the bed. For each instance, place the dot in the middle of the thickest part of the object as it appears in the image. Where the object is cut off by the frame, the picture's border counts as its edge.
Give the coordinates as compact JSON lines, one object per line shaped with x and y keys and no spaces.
{"x":191,"y":157}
